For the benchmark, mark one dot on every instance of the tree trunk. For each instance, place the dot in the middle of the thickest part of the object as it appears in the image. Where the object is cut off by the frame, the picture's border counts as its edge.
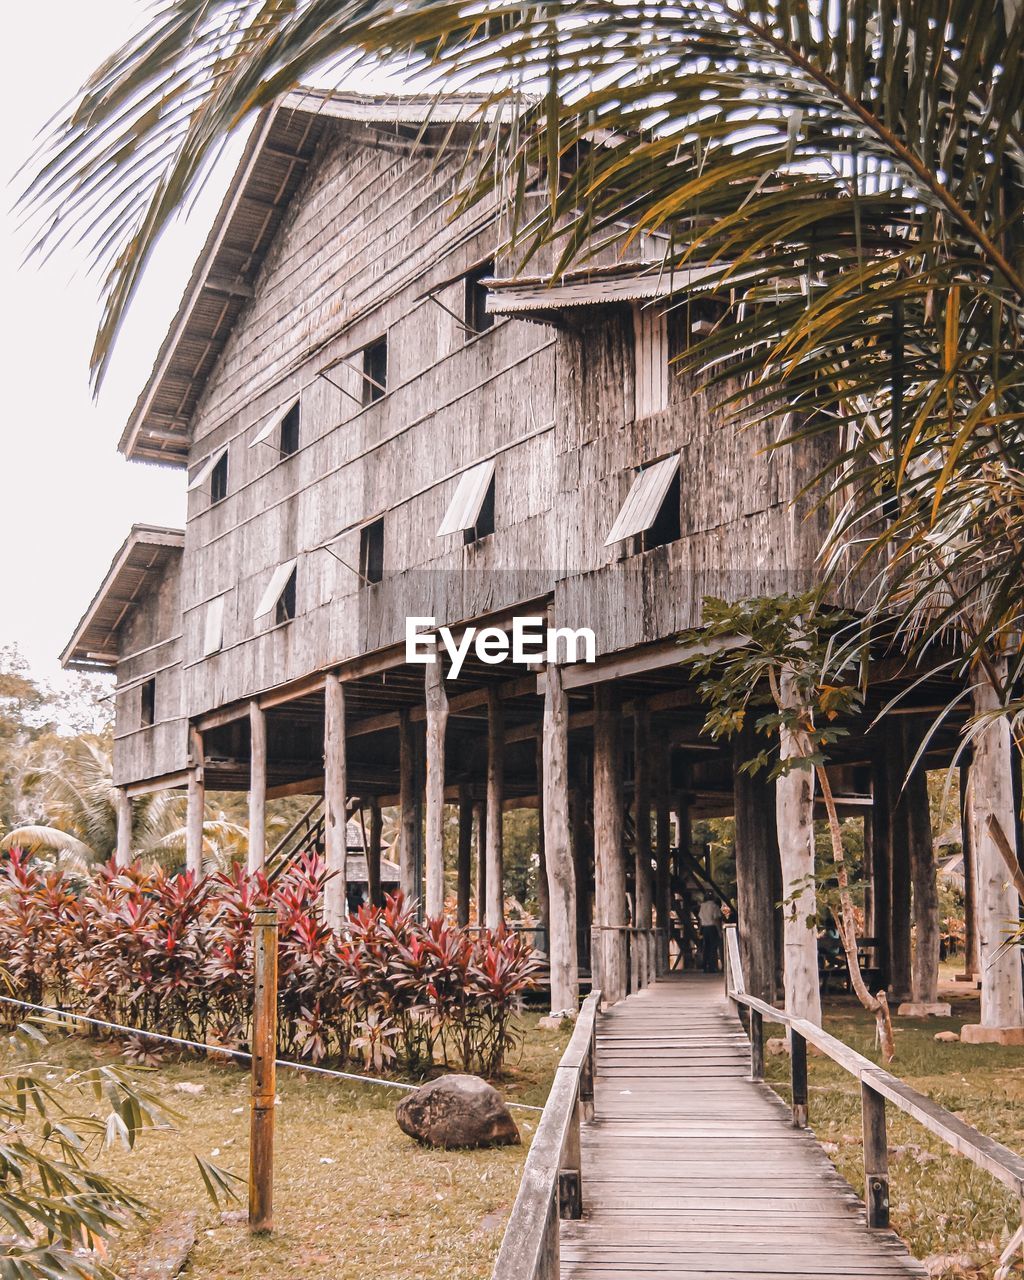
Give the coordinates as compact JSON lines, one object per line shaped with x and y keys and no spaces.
{"x":794,"y":799}
{"x":609,"y":866}
{"x":437,"y":721}
{"x":561,"y":875}
{"x":335,"y":805}
{"x":757,"y":847}
{"x":998,"y":904}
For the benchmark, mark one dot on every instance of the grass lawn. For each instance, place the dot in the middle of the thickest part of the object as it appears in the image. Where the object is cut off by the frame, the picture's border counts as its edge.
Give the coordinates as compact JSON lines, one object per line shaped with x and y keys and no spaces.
{"x":941,"y":1204}
{"x":353,"y":1195}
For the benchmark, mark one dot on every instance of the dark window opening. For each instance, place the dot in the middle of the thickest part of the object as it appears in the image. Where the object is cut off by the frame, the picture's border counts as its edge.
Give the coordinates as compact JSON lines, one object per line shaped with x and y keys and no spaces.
{"x":289,"y":442}
{"x":375,"y":370}
{"x":219,"y":480}
{"x":485,"y":519}
{"x":478,"y":318}
{"x":371,"y":551}
{"x":284,"y":610}
{"x":147,"y":703}
{"x":667,"y":525}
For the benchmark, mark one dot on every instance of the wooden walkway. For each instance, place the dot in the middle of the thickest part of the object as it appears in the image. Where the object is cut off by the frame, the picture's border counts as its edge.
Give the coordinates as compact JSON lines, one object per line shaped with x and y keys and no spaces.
{"x":693,"y":1172}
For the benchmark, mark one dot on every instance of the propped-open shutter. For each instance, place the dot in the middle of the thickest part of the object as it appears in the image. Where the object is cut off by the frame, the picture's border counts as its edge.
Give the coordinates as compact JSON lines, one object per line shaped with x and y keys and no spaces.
{"x":464,"y":508}
{"x":272,"y":423}
{"x":277,"y":583}
{"x":213,"y":627}
{"x":643,"y":502}
{"x":204,"y":471}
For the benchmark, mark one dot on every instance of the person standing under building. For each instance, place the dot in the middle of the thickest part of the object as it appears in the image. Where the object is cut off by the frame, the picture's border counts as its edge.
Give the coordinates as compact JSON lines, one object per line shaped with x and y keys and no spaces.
{"x":710,"y":917}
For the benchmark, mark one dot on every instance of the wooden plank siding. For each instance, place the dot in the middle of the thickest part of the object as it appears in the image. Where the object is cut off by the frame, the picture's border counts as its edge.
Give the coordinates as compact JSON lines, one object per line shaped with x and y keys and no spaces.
{"x":365,"y":242}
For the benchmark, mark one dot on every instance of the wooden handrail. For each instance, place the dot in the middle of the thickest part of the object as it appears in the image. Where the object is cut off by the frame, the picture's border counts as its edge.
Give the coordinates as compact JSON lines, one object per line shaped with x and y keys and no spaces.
{"x":878,"y":1086}
{"x":551,"y":1186}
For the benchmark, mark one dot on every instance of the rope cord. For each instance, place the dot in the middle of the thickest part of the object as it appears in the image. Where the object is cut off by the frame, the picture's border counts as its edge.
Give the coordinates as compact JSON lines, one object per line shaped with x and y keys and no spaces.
{"x":241,"y":1054}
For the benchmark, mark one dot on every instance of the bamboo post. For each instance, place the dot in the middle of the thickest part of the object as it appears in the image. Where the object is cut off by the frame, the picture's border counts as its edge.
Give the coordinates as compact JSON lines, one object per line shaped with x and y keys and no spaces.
{"x":437,"y":721}
{"x":257,"y":787}
{"x":335,"y":804}
{"x":264,"y":1080}
{"x":495,"y":810}
{"x":123,"y":810}
{"x":876,"y":1156}
{"x":196,"y":805}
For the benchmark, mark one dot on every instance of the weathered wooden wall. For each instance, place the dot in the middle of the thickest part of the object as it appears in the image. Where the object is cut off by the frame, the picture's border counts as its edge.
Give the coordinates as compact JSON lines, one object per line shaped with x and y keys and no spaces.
{"x":368,"y":238}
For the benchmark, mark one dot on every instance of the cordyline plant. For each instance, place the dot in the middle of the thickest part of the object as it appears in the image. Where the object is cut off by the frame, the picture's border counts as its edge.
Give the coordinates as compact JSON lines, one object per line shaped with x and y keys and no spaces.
{"x":779,"y":651}
{"x":173,"y":955}
{"x":58,"y":1210}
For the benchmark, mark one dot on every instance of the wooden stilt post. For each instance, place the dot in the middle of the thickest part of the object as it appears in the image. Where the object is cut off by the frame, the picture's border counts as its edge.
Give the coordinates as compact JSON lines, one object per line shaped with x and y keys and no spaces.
{"x":465,"y":867}
{"x":798,"y":1078}
{"x":899,"y":870}
{"x":925,"y":969}
{"x":335,"y":805}
{"x":609,"y":865}
{"x":480,"y":828}
{"x":971,"y":967}
{"x":264,"y":1071}
{"x":663,"y":846}
{"x":642,"y":864}
{"x":794,"y":796}
{"x":195,"y":815}
{"x":409,"y":835}
{"x":543,"y":894}
{"x":998,"y":906}
{"x":881,"y":863}
{"x":123,"y":810}
{"x":583,"y":867}
{"x":559,"y":868}
{"x":373,"y":852}
{"x":495,"y":812}
{"x":437,"y":721}
{"x":257,"y":787}
{"x":757,"y":846}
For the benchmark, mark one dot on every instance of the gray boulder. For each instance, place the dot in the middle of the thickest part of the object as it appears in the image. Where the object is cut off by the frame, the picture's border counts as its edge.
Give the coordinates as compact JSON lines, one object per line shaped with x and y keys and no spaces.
{"x":457,"y":1111}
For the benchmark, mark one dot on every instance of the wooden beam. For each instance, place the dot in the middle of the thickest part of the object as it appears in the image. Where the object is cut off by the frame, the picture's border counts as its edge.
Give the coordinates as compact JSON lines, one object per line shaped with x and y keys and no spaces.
{"x":610,"y":916}
{"x":560,"y":871}
{"x":373,"y":853}
{"x":123,"y":810}
{"x":465,"y":862}
{"x":335,"y":804}
{"x":409,"y":835}
{"x":495,"y":798}
{"x":437,"y":720}
{"x":257,"y":787}
{"x":195,"y":812}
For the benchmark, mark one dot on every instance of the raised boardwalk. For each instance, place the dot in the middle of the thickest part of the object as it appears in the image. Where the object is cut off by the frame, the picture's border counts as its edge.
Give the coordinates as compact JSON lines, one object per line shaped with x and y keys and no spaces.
{"x":692,"y":1171}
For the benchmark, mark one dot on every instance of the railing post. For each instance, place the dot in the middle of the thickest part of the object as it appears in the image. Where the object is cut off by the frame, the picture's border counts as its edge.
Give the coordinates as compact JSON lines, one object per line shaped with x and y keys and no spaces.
{"x":876,"y":1156}
{"x":596,"y":958}
{"x":756,"y":1045}
{"x":798,"y":1077}
{"x":570,"y":1172}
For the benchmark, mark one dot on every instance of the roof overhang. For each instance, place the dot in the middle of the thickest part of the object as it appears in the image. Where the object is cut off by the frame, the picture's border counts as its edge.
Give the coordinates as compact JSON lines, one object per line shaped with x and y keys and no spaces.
{"x":143,"y":556}
{"x":277,"y":153}
{"x":543,"y":297}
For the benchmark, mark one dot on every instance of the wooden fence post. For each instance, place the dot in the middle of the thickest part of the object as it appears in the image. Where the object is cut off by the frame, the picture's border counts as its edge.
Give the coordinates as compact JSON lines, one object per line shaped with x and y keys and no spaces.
{"x":264,"y":1076}
{"x":798,"y":1077}
{"x":756,"y":1045}
{"x":570,"y":1173}
{"x":876,"y":1156}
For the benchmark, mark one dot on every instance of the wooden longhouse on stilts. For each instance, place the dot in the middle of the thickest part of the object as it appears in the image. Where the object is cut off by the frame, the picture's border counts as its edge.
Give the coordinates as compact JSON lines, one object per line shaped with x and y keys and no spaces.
{"x":379,"y":422}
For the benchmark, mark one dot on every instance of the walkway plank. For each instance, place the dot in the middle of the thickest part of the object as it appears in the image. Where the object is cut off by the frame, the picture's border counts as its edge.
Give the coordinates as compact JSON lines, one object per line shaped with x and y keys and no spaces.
{"x":693,"y":1172}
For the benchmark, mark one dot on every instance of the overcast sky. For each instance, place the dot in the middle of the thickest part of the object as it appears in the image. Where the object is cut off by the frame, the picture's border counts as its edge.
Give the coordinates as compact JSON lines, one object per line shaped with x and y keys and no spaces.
{"x":69,"y":496}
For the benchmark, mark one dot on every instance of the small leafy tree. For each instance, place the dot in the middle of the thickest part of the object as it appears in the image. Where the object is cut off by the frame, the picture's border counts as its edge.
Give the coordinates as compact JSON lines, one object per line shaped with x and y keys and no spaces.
{"x":777,"y":654}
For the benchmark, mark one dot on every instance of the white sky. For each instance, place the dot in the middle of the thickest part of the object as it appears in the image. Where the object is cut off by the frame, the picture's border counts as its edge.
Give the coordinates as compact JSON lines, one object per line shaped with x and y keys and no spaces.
{"x":68,"y":495}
